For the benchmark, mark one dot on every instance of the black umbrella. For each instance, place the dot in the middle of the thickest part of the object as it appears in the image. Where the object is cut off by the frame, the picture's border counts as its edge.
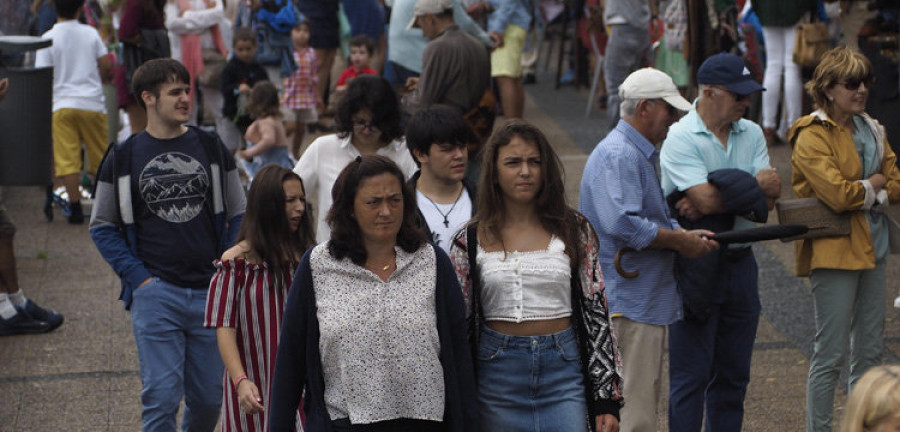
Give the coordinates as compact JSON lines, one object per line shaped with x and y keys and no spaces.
{"x":767,"y":232}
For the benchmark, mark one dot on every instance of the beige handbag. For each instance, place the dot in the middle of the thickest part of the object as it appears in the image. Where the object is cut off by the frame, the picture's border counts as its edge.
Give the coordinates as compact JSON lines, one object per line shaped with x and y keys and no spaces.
{"x":811,"y":43}
{"x":821,"y":219}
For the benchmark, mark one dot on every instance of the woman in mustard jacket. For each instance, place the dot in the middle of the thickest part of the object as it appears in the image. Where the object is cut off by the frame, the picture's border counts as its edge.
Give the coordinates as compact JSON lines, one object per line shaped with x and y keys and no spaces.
{"x":842,"y":157}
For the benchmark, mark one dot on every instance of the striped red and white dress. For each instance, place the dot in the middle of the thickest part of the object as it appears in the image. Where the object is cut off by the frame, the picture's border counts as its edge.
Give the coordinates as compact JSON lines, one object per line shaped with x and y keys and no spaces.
{"x":249,"y":298}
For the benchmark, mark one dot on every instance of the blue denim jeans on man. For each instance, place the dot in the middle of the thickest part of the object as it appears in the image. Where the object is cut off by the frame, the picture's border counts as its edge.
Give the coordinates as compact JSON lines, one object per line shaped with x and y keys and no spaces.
{"x":178,"y":357}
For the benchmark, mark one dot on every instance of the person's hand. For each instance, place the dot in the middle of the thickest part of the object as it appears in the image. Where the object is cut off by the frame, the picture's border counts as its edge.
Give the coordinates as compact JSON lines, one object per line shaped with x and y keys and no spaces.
{"x":244,"y":88}
{"x":4,"y":87}
{"x":687,"y":210}
{"x":878,"y":181}
{"x":243,"y":154}
{"x":411,"y":83}
{"x":248,"y":397}
{"x":496,"y":39}
{"x":607,"y":423}
{"x":695,"y":243}
{"x":769,"y":182}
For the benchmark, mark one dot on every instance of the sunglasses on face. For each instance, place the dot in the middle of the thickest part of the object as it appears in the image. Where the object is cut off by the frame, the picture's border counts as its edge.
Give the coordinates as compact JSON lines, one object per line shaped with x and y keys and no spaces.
{"x":854,"y":83}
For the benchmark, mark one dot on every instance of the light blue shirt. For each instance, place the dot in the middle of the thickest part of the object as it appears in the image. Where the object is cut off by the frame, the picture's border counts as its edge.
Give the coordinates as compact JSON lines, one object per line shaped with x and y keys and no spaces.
{"x":507,"y":12}
{"x":690,"y":152}
{"x":867,"y":148}
{"x":621,"y":197}
{"x":405,"y":47}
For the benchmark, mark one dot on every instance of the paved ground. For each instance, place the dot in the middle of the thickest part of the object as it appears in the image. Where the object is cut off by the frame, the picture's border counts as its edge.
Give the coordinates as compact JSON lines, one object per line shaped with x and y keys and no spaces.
{"x":83,"y":376}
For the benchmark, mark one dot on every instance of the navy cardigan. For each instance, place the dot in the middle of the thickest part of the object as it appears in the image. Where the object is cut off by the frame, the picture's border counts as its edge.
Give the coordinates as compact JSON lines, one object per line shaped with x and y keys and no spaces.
{"x":298,"y":365}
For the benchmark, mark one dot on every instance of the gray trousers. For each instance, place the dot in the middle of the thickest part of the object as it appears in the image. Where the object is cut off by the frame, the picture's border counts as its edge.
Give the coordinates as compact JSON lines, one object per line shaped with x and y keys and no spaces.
{"x":849,"y":312}
{"x":626,"y":52}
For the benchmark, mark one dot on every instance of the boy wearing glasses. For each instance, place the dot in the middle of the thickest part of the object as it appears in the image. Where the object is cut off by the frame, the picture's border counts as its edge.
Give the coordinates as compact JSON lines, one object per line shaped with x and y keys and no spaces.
{"x":710,"y":347}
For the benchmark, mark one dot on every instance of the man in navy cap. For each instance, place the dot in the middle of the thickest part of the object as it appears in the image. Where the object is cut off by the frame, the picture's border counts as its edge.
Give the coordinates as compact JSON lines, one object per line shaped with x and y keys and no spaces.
{"x":709,"y":352}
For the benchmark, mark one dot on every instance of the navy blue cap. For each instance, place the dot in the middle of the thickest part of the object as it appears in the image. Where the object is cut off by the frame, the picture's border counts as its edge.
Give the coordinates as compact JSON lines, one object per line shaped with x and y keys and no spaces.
{"x":728,"y":70}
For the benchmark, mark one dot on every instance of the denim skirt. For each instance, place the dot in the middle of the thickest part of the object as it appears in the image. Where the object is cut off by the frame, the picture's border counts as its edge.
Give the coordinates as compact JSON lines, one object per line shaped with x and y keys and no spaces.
{"x":530,"y":383}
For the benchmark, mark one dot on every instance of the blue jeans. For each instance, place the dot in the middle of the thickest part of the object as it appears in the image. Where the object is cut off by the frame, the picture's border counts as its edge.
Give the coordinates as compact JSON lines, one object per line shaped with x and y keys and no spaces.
{"x":530,"y":383}
{"x":709,"y":363}
{"x":178,"y":357}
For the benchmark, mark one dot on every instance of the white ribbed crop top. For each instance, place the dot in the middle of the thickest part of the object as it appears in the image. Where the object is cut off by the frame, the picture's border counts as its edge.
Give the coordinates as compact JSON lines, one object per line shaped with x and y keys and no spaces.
{"x":526,"y":286}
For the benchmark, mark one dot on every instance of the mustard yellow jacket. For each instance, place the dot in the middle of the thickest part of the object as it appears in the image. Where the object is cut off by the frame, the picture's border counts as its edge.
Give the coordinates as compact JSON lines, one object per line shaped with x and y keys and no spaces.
{"x":825,"y":164}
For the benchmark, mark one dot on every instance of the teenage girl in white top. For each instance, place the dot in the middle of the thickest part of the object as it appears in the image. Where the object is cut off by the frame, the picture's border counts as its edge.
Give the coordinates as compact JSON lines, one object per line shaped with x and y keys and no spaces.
{"x":545,"y":353}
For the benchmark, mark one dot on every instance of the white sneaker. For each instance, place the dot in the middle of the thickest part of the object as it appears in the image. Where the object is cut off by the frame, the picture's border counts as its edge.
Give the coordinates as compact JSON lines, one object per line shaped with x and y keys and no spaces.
{"x":897,"y":302}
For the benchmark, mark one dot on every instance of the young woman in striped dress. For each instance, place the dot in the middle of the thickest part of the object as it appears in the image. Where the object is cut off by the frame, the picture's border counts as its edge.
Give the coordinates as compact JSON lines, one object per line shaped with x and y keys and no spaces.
{"x":248,"y":291}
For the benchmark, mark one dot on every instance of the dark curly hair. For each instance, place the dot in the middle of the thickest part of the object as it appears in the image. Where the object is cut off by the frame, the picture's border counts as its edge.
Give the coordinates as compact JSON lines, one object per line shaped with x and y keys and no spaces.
{"x":346,"y":237}
{"x":375,"y":94}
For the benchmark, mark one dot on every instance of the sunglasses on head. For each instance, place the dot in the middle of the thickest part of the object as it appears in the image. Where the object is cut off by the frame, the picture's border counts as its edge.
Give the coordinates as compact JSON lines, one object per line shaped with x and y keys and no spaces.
{"x":853,"y":84}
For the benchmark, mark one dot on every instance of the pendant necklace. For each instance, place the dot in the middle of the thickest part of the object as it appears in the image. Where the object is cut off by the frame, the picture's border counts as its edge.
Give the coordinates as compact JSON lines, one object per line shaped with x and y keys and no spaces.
{"x":388,"y":264}
{"x":446,"y":215}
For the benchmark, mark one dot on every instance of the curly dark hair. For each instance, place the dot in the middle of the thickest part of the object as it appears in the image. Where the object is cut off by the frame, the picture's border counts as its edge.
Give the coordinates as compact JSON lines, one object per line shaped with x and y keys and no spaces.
{"x":375,"y":94}
{"x":346,"y":237}
{"x":265,"y":226}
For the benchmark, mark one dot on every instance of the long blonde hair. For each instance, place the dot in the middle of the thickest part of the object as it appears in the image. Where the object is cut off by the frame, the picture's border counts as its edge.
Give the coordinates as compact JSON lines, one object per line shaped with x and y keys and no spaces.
{"x":874,"y":400}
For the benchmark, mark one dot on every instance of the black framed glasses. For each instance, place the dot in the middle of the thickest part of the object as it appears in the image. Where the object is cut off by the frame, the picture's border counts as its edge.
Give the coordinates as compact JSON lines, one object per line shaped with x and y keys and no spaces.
{"x":853,"y":84}
{"x":362,"y":124}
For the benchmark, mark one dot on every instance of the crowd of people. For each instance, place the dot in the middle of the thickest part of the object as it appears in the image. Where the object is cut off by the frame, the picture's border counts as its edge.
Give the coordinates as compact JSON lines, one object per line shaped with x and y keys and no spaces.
{"x":418,"y":268}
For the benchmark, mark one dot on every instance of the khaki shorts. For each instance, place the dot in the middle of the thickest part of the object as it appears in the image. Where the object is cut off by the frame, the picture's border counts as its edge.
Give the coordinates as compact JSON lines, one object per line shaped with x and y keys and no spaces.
{"x":506,"y":61}
{"x":71,"y":128}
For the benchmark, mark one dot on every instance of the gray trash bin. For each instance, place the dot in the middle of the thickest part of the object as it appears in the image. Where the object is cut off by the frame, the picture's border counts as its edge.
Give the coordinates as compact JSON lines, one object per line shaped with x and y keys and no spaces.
{"x":26,"y":141}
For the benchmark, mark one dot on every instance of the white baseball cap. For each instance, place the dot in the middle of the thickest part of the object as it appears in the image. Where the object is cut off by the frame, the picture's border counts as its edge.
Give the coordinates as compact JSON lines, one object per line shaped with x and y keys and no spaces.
{"x":424,"y":7}
{"x":649,"y":83}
